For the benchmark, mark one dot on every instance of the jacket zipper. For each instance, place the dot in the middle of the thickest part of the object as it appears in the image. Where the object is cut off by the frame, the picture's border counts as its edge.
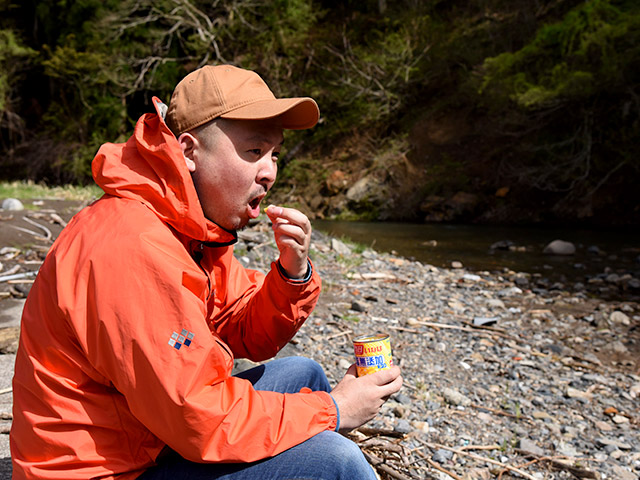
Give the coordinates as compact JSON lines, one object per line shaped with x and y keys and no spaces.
{"x":199,"y":255}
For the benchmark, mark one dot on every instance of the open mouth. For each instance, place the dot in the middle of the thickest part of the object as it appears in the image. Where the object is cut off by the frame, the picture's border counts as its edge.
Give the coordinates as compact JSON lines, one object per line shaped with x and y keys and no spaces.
{"x":254,"y":206}
{"x":255,"y":202}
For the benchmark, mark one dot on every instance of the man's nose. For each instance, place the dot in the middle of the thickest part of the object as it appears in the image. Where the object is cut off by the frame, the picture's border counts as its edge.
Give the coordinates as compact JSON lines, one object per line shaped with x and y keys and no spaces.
{"x":267,"y":171}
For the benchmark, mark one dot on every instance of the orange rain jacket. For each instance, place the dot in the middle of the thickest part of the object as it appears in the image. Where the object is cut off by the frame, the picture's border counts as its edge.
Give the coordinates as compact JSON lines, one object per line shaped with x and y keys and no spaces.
{"x":130,"y":329}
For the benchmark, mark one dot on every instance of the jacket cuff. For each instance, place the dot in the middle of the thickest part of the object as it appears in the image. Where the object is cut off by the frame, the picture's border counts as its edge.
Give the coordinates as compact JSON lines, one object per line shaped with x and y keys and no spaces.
{"x":335,"y":404}
{"x":337,"y":413}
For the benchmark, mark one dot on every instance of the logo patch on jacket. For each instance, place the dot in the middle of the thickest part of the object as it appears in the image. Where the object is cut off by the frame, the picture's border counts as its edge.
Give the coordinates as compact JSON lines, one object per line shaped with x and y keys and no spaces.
{"x":177,"y":340}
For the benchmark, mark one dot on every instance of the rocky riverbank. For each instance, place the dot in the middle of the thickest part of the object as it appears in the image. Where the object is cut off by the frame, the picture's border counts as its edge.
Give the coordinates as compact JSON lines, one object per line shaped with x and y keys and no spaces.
{"x":501,"y":380}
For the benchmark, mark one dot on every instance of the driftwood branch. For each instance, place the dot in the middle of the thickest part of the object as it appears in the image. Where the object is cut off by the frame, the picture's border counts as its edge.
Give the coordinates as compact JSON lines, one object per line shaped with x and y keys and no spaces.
{"x":17,"y":276}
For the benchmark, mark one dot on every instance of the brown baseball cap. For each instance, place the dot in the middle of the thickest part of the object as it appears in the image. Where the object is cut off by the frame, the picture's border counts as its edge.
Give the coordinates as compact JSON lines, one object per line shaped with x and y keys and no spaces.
{"x":231,"y":92}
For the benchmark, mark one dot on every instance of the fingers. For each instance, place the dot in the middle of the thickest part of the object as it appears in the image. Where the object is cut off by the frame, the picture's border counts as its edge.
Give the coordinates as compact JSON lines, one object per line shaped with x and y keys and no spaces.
{"x":386,"y":376}
{"x":292,"y":230}
{"x":359,"y":399}
{"x":290,"y":222}
{"x":386,"y":382}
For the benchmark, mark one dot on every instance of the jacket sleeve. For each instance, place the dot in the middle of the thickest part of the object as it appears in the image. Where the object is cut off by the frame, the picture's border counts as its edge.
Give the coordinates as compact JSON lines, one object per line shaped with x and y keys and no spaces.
{"x":256,"y":315}
{"x":137,"y":308}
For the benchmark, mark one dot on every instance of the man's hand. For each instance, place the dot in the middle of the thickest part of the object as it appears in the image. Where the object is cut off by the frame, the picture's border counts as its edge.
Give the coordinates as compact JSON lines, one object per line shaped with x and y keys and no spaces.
{"x":359,"y":398}
{"x":292,"y":231}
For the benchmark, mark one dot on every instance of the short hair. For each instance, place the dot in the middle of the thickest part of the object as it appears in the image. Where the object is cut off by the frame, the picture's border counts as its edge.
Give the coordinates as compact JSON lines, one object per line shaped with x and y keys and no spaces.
{"x":206,"y":133}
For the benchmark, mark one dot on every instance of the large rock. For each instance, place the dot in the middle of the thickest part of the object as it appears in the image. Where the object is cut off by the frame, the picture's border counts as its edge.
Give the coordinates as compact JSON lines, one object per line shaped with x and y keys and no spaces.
{"x":560,"y":247}
{"x":364,"y":189}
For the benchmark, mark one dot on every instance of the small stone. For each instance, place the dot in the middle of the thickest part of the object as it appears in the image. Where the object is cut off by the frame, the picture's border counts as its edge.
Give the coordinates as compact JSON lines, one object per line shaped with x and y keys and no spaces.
{"x":344,"y":364}
{"x":603,"y":426}
{"x":454,"y":397}
{"x":540,"y":415}
{"x":616,"y":347}
{"x":567,"y":450}
{"x":471,"y":277}
{"x":612,"y":278}
{"x":619,"y":419}
{"x":575,"y":393}
{"x":442,"y":456}
{"x":403,"y":426}
{"x":402,"y":398}
{"x":617,"y":454}
{"x":610,"y":449}
{"x":603,"y":442}
{"x":621,"y":473}
{"x":495,"y":303}
{"x":12,"y":204}
{"x":510,"y":292}
{"x":530,"y":447}
{"x":456,"y":264}
{"x":421,"y":426}
{"x":619,"y":317}
{"x":560,"y":247}
{"x":486,"y":418}
{"x":340,"y":247}
{"x":358,"y":306}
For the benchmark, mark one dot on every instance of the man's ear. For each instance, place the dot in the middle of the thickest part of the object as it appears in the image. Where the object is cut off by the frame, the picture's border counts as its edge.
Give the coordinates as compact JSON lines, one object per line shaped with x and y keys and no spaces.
{"x":188,"y":144}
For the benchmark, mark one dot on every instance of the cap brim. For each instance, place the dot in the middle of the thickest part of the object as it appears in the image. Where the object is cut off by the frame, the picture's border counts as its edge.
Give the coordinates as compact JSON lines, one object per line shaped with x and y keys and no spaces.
{"x":295,"y":113}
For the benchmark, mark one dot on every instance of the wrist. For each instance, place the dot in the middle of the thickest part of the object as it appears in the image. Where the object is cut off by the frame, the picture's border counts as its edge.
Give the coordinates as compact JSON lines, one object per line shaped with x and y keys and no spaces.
{"x":302,"y":279}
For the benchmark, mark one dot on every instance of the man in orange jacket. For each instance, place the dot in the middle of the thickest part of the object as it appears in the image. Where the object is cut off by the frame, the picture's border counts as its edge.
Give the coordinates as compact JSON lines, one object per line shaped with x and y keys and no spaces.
{"x":131,"y":327}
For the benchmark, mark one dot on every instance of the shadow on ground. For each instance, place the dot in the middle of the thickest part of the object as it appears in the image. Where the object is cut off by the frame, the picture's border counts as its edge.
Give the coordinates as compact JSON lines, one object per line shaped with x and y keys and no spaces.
{"x":5,"y":468}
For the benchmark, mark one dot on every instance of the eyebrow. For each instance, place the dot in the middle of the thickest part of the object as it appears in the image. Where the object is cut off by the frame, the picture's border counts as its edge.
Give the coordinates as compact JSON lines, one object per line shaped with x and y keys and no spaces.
{"x":264,"y":139}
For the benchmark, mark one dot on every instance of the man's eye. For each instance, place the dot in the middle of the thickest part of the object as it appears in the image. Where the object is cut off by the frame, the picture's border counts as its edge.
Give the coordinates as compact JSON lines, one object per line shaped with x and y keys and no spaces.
{"x":256,"y":151}
{"x":275,"y":155}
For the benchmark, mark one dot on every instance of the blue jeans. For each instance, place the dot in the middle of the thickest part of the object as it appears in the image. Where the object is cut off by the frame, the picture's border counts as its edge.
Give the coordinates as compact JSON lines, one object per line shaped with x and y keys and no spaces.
{"x":326,"y":456}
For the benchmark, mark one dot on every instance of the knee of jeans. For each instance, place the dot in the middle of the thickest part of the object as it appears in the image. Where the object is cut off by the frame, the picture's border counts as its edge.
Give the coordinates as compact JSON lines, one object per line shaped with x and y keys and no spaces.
{"x":344,"y":456}
{"x":313,"y":371}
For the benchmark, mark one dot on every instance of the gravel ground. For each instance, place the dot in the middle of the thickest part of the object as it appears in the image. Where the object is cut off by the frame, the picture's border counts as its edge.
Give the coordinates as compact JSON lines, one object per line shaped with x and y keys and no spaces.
{"x":505,"y":376}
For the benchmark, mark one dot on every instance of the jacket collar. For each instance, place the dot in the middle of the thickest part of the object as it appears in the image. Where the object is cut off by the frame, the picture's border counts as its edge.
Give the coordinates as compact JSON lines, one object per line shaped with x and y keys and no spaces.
{"x":150,"y":168}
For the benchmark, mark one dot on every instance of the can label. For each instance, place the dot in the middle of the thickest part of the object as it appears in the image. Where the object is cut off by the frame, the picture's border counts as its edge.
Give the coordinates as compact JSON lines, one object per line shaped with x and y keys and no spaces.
{"x":373,"y":353}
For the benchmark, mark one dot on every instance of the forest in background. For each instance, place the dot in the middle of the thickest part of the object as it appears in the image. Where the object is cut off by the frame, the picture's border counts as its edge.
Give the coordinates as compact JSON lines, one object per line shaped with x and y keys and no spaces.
{"x":485,"y":111}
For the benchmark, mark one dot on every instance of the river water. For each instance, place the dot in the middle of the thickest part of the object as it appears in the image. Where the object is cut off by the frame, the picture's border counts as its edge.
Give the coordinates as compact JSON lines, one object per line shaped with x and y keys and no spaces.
{"x":437,"y":244}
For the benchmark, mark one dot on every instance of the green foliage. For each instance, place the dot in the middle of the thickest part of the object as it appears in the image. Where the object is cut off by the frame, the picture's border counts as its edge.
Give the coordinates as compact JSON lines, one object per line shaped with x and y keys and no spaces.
{"x":371,"y":78}
{"x":12,"y":51}
{"x":13,"y":57}
{"x":551,"y":86}
{"x":350,"y":318}
{"x":592,"y":48}
{"x":30,"y":190}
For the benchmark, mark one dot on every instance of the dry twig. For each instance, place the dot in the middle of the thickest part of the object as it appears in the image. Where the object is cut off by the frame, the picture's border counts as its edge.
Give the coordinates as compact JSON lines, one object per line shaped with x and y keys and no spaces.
{"x":380,"y":465}
{"x":557,"y":464}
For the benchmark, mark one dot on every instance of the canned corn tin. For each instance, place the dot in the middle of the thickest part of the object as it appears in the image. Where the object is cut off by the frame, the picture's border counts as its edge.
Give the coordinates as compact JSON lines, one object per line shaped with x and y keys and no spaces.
{"x":373,"y":353}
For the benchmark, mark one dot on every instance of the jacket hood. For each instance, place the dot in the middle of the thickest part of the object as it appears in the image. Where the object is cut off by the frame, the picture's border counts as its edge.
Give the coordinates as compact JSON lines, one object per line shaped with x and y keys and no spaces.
{"x":150,"y":168}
